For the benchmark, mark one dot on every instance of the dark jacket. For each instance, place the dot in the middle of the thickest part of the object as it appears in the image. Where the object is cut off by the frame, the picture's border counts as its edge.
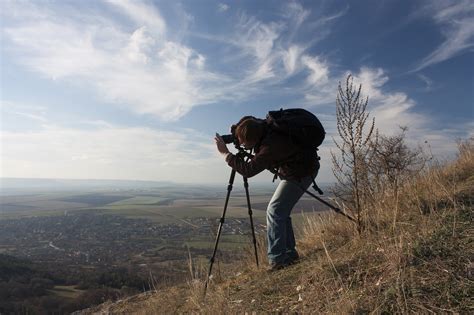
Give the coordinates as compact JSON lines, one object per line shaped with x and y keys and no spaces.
{"x":276,"y":151}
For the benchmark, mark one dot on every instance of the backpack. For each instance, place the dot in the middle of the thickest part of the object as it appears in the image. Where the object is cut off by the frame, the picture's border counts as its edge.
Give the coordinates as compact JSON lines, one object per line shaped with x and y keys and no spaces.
{"x":303,"y":128}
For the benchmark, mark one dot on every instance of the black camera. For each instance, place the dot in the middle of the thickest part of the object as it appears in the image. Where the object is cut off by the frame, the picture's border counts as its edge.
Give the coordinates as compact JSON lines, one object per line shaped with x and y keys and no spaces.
{"x":229,"y":138}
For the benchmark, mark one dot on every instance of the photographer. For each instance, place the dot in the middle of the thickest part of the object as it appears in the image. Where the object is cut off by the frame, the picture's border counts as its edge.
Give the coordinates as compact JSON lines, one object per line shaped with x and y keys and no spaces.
{"x":296,"y":168}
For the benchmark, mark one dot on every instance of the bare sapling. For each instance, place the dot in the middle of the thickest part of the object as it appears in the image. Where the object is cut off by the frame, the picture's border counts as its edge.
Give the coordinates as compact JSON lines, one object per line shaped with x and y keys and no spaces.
{"x":350,"y":168}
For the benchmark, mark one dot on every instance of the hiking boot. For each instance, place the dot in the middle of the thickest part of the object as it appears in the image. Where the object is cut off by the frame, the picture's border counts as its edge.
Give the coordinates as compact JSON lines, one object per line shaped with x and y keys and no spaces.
{"x":293,"y":258}
{"x":277,"y":266}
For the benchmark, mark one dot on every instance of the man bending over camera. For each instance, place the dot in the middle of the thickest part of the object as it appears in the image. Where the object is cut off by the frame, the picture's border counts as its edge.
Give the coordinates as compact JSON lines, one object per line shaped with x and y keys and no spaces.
{"x":296,"y":167}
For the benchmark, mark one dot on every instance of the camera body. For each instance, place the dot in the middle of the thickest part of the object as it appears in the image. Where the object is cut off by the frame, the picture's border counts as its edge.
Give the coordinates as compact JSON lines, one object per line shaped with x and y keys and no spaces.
{"x":231,"y":138}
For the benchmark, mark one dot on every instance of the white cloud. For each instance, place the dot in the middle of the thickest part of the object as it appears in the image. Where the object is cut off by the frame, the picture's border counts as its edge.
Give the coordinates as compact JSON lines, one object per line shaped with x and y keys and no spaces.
{"x":142,"y":14}
{"x":30,"y":116}
{"x":390,"y":109}
{"x":222,"y":7}
{"x":141,"y":65}
{"x":32,"y":113}
{"x":276,"y":57}
{"x":295,"y":12}
{"x":111,"y":152}
{"x":395,"y":109}
{"x":256,"y":37}
{"x":291,"y":58}
{"x":263,"y":72}
{"x":56,"y":50}
{"x":140,"y":69}
{"x":139,"y":46}
{"x":318,"y":70}
{"x":456,"y":21}
{"x":428,"y":82}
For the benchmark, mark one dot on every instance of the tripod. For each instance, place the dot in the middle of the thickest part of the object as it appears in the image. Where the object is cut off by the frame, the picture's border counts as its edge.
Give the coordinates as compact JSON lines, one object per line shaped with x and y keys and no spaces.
{"x":240,"y":154}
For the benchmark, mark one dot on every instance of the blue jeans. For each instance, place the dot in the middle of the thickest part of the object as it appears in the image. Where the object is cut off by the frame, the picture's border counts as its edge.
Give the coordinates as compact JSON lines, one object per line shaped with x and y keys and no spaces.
{"x":280,"y":236}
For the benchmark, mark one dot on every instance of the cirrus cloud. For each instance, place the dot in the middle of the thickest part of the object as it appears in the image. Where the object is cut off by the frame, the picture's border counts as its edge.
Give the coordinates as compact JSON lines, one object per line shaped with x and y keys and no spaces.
{"x":456,"y":22}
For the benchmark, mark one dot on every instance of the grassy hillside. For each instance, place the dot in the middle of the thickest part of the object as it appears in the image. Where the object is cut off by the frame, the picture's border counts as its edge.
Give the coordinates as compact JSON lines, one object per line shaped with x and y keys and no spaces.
{"x":415,"y":256}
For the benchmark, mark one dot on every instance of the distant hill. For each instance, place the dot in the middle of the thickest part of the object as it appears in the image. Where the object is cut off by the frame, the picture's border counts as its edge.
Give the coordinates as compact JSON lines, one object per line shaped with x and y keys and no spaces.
{"x":11,"y":184}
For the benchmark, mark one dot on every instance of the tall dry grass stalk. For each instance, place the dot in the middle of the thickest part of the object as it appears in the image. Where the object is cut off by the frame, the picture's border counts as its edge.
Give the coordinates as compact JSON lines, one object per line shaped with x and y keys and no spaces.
{"x":196,"y":281}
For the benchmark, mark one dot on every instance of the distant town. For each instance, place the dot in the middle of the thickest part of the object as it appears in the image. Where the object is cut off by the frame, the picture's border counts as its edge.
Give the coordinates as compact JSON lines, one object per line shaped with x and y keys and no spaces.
{"x":89,"y":239}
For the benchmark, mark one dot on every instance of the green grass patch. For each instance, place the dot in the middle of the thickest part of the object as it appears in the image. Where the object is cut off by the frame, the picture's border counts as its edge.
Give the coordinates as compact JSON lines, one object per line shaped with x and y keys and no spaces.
{"x":66,"y":291}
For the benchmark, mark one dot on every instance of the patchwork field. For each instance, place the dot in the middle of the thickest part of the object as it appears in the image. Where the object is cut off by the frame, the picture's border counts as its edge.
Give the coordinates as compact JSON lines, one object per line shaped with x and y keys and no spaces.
{"x":165,"y":205}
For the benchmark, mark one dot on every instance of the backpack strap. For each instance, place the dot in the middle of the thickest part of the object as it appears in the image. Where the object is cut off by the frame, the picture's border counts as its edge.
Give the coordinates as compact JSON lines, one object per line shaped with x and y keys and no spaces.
{"x":315,"y":186}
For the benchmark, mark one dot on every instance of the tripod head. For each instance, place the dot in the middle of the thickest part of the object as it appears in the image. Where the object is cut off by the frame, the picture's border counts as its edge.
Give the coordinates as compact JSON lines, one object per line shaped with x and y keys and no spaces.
{"x":247,"y":154}
{"x":243,"y":153}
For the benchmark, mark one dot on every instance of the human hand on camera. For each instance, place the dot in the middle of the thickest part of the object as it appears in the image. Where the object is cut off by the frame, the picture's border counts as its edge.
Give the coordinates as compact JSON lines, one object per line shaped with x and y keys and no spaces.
{"x":221,"y":146}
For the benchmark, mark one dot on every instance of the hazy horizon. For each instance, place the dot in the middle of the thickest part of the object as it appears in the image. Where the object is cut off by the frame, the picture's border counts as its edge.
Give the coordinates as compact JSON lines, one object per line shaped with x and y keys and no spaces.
{"x":9,"y":183}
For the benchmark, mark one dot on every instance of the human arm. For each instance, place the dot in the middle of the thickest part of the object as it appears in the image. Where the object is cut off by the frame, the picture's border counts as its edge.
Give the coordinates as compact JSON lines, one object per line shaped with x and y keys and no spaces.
{"x":255,"y":165}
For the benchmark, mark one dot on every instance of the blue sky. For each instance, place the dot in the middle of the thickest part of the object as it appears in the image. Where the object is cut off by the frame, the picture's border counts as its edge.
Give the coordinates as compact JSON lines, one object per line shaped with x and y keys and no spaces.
{"x":136,"y":89}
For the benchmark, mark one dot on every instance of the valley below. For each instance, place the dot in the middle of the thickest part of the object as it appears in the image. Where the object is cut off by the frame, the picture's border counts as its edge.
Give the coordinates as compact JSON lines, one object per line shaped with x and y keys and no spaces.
{"x":90,"y":245}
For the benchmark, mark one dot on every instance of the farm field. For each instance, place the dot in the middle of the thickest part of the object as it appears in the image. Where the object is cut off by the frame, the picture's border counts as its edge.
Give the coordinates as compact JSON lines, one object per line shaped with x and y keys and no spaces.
{"x":165,"y":205}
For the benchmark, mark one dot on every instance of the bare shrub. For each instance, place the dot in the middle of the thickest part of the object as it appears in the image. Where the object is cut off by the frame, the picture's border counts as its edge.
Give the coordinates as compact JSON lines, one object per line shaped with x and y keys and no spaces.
{"x":393,"y":161}
{"x":391,"y":164}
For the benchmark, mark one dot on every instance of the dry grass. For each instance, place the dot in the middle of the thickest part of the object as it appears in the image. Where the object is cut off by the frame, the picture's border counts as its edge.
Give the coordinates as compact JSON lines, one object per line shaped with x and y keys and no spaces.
{"x":415,"y":256}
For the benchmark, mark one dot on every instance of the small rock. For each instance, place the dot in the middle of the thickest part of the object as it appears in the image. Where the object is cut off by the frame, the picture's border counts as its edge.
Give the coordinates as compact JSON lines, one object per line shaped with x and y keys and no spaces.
{"x":378,"y":282}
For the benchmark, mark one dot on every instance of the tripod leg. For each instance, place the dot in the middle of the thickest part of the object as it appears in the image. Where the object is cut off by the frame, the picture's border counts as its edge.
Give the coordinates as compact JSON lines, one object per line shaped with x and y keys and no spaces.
{"x":246,"y":185}
{"x":329,"y":205}
{"x":219,"y":230}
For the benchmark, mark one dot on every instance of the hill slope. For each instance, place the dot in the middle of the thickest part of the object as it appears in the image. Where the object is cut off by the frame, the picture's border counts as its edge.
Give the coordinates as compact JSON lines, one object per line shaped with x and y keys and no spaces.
{"x":414,"y":256}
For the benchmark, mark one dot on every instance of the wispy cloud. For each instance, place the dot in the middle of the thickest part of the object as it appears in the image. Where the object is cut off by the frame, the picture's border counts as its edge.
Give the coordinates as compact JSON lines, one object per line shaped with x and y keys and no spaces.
{"x":222,"y":7}
{"x":391,"y":109}
{"x":257,"y":37}
{"x":143,"y":66}
{"x":456,"y":22}
{"x":141,"y":69}
{"x":277,"y":55}
{"x":427,"y":81}
{"x":395,"y":109}
{"x":32,"y":112}
{"x":142,"y":14}
{"x":319,"y":71}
